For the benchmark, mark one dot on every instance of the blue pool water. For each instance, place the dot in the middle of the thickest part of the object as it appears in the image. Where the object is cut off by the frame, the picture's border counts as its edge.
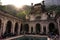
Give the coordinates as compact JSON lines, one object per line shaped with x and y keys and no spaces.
{"x":31,"y":38}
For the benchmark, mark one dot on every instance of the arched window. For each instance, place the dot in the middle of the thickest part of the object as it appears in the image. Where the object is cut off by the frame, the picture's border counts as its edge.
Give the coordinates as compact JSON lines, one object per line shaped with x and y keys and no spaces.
{"x":31,"y":29}
{"x":38,"y":17}
{"x":21,"y":28}
{"x":16,"y":28}
{"x":38,"y":28}
{"x":44,"y":29}
{"x":8,"y":27}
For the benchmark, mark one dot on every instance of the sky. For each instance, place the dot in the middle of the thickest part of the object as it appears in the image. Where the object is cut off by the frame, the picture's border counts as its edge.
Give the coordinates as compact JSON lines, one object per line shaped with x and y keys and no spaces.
{"x":19,"y":3}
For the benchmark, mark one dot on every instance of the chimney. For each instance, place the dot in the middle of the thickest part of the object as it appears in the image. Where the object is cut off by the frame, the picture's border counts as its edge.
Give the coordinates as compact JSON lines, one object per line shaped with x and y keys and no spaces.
{"x":31,"y":4}
{"x":43,"y":2}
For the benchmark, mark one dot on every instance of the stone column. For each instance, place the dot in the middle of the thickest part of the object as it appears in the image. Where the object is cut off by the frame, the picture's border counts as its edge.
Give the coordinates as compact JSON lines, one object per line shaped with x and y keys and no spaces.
{"x":47,"y":30}
{"x":4,"y":27}
{"x":29,"y":29}
{"x":19,"y":28}
{"x":34,"y":29}
{"x":13,"y":27}
{"x":41,"y":29}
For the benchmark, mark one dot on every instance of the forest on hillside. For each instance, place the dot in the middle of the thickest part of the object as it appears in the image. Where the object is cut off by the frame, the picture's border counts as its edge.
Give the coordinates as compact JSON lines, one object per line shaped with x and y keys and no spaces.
{"x":25,"y":10}
{"x":20,"y":13}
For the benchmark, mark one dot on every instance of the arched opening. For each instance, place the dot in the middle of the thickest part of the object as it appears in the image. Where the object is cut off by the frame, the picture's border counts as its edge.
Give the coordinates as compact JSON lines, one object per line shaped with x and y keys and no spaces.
{"x":8,"y":27}
{"x":26,"y":28}
{"x":31,"y":29}
{"x":16,"y":28}
{"x":52,"y":29}
{"x":44,"y":30}
{"x":38,"y":28}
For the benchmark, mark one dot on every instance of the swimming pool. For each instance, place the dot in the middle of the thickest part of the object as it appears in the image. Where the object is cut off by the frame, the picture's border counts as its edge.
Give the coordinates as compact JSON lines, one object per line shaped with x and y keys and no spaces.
{"x":31,"y":38}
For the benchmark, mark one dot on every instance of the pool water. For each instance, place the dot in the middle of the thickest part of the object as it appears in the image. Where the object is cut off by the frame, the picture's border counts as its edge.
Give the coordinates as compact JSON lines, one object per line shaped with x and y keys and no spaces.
{"x":31,"y":38}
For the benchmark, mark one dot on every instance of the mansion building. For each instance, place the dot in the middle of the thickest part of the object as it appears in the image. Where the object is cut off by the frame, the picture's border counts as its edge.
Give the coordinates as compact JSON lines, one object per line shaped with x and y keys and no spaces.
{"x":38,"y":22}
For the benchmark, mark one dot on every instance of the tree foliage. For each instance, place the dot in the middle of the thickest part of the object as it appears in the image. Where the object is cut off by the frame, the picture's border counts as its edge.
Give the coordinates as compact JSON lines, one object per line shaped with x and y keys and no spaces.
{"x":25,"y":10}
{"x":8,"y":8}
{"x":12,"y":10}
{"x":53,"y":8}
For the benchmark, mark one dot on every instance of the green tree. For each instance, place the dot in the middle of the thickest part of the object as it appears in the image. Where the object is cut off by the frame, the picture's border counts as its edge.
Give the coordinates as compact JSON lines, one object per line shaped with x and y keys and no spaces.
{"x":24,"y":11}
{"x":11,"y":9}
{"x":8,"y":8}
{"x":53,"y":8}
